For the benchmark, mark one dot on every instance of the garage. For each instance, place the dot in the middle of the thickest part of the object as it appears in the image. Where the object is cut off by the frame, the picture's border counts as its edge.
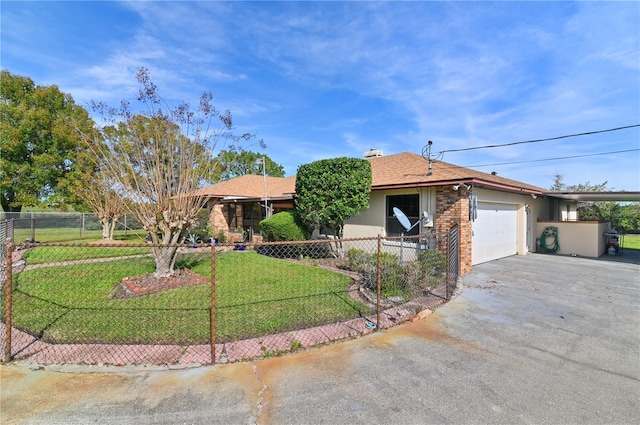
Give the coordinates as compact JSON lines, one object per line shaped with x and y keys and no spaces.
{"x":495,"y":232}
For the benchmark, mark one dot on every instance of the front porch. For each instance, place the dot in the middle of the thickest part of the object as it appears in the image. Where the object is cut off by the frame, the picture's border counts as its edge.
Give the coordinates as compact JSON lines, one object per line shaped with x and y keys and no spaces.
{"x":239,"y":220}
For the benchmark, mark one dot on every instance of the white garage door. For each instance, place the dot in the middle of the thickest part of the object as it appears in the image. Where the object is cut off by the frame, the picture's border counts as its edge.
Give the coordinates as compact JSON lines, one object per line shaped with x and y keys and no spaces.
{"x":495,"y":232}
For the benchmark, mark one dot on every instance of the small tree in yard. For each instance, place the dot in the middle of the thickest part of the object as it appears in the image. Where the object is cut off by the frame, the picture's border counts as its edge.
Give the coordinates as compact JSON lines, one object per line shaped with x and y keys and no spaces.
{"x":90,"y":189}
{"x":156,"y":159}
{"x":330,"y":191}
{"x":107,"y":204}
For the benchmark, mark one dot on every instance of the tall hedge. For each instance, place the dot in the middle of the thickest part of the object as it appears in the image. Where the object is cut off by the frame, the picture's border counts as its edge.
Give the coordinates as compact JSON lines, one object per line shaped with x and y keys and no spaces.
{"x":330,"y":191}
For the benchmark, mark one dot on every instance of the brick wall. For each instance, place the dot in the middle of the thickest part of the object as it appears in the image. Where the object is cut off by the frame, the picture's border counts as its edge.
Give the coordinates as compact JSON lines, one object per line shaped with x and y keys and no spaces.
{"x":218,"y":217}
{"x":452,"y":207}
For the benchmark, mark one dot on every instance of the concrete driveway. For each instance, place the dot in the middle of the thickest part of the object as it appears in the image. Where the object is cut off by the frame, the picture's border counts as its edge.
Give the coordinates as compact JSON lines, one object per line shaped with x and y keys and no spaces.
{"x":534,"y":339}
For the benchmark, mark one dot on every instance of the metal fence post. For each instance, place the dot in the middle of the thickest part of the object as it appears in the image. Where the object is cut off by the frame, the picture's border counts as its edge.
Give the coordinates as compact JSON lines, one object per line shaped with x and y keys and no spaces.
{"x":448,"y":273}
{"x":8,"y":289}
{"x":33,"y":228}
{"x":453,"y":258}
{"x":213,"y":303}
{"x":379,"y":282}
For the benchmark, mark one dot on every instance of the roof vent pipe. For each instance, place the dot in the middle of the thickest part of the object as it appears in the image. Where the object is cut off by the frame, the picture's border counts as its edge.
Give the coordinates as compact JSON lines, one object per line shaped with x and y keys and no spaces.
{"x":372,"y":153}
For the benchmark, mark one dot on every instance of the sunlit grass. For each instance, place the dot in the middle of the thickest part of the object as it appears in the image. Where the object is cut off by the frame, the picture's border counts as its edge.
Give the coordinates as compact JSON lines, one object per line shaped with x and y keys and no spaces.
{"x":65,"y":234}
{"x":631,"y":242}
{"x":255,"y":295}
{"x":49,"y":254}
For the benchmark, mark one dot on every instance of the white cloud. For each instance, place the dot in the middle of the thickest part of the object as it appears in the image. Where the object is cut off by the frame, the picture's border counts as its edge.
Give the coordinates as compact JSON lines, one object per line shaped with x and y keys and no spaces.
{"x":320,"y":79}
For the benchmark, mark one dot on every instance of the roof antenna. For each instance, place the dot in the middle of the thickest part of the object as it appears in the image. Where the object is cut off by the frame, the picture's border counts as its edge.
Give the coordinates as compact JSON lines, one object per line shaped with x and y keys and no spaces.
{"x":427,"y":154}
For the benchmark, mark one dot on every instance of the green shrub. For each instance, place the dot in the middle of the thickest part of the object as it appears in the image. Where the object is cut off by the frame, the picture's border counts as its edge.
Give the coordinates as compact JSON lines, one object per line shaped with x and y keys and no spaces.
{"x":433,"y":263}
{"x":397,"y":278}
{"x":359,"y":259}
{"x":391,"y":271}
{"x":283,"y":226}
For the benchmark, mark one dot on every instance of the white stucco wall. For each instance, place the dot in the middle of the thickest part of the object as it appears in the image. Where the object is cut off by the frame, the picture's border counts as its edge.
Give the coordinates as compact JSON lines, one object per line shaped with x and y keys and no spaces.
{"x":568,"y":211}
{"x":584,"y":238}
{"x":371,"y":222}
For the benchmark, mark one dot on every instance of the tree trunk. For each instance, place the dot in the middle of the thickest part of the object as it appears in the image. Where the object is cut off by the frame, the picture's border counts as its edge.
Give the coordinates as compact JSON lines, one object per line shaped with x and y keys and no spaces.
{"x":6,"y":206}
{"x":105,"y":230}
{"x":337,"y":234}
{"x":112,"y":228}
{"x":165,"y":257}
{"x":108,"y":226}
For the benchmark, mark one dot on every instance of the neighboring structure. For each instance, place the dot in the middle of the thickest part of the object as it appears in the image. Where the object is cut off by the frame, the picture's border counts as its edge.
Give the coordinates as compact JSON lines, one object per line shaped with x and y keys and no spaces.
{"x":497,"y":216}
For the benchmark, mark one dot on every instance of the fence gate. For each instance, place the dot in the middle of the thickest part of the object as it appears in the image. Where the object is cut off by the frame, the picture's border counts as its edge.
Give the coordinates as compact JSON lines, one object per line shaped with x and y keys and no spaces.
{"x":452,"y":261}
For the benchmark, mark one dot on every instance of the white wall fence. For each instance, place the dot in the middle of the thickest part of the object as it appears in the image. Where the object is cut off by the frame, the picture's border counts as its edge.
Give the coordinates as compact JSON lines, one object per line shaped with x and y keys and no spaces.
{"x":583,"y":238}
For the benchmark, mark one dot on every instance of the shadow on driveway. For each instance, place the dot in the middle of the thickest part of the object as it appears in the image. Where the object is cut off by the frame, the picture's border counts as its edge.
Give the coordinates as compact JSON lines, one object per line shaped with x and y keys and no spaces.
{"x":630,"y":256}
{"x":529,"y":339}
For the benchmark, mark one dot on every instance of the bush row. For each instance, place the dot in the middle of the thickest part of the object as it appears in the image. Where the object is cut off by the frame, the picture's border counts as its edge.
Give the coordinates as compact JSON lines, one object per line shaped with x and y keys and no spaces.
{"x":396,"y":276}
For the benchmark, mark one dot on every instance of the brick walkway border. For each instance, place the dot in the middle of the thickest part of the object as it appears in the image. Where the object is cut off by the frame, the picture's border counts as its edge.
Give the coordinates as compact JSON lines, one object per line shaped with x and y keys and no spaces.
{"x":27,"y":349}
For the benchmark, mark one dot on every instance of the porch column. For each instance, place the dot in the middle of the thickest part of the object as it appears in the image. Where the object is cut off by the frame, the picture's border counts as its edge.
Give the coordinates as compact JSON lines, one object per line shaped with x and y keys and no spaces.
{"x":453,"y":207}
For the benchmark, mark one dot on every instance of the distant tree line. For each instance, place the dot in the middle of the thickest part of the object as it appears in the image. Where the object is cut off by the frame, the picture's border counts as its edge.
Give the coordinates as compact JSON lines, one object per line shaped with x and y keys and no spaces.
{"x":624,"y":217}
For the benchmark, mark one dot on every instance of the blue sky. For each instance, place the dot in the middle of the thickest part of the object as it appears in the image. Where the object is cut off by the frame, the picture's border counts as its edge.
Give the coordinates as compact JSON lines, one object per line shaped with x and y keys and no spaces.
{"x":318,"y":80}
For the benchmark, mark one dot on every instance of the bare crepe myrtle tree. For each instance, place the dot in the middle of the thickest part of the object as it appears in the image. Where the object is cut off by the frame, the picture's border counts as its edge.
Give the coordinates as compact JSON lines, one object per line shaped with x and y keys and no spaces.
{"x":90,"y":188}
{"x":106,"y":203}
{"x":157,"y":157}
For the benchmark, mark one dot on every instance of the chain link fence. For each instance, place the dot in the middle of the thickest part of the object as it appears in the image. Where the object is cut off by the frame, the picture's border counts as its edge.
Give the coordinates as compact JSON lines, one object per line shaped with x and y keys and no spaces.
{"x":60,"y":226}
{"x":6,"y":234}
{"x":104,"y":304}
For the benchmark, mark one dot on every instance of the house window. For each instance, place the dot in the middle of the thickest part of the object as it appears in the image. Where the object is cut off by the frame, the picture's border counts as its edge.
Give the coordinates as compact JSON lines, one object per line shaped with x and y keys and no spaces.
{"x":231,"y":216}
{"x":253,"y":211}
{"x":252,"y":214}
{"x":410,"y":206}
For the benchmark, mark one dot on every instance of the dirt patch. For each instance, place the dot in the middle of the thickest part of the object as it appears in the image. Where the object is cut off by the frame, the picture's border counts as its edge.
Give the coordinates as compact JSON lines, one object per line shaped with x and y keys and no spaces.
{"x":147,"y":284}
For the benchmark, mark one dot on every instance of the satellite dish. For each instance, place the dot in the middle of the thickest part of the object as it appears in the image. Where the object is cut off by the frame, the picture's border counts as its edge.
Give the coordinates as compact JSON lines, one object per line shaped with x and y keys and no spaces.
{"x":402,"y":218}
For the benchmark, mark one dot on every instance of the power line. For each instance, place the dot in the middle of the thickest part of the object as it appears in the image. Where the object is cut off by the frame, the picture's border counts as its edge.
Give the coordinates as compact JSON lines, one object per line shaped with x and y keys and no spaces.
{"x":553,"y":159}
{"x":542,"y":140}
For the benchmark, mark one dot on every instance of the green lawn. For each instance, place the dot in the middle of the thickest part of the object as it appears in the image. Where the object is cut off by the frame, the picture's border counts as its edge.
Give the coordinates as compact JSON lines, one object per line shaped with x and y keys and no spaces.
{"x":255,"y":295}
{"x":631,"y":242}
{"x":65,"y":234}
{"x":48,"y":254}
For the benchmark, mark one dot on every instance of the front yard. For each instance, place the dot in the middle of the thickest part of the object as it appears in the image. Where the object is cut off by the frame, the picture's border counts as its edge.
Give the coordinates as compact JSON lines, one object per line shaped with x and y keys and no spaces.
{"x":255,"y":295}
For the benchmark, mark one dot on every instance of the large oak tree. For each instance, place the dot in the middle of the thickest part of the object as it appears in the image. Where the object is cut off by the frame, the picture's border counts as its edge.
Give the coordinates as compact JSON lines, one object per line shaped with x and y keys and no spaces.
{"x":38,"y":142}
{"x":238,"y":163}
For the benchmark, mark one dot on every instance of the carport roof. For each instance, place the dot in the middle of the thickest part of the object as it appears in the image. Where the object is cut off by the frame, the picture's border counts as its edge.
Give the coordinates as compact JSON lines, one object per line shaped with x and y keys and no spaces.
{"x":596,"y":196}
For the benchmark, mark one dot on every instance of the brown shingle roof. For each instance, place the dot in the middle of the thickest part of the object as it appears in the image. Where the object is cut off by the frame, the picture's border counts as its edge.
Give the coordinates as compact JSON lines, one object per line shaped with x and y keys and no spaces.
{"x":250,"y":186}
{"x":392,"y":171}
{"x":408,"y":169}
